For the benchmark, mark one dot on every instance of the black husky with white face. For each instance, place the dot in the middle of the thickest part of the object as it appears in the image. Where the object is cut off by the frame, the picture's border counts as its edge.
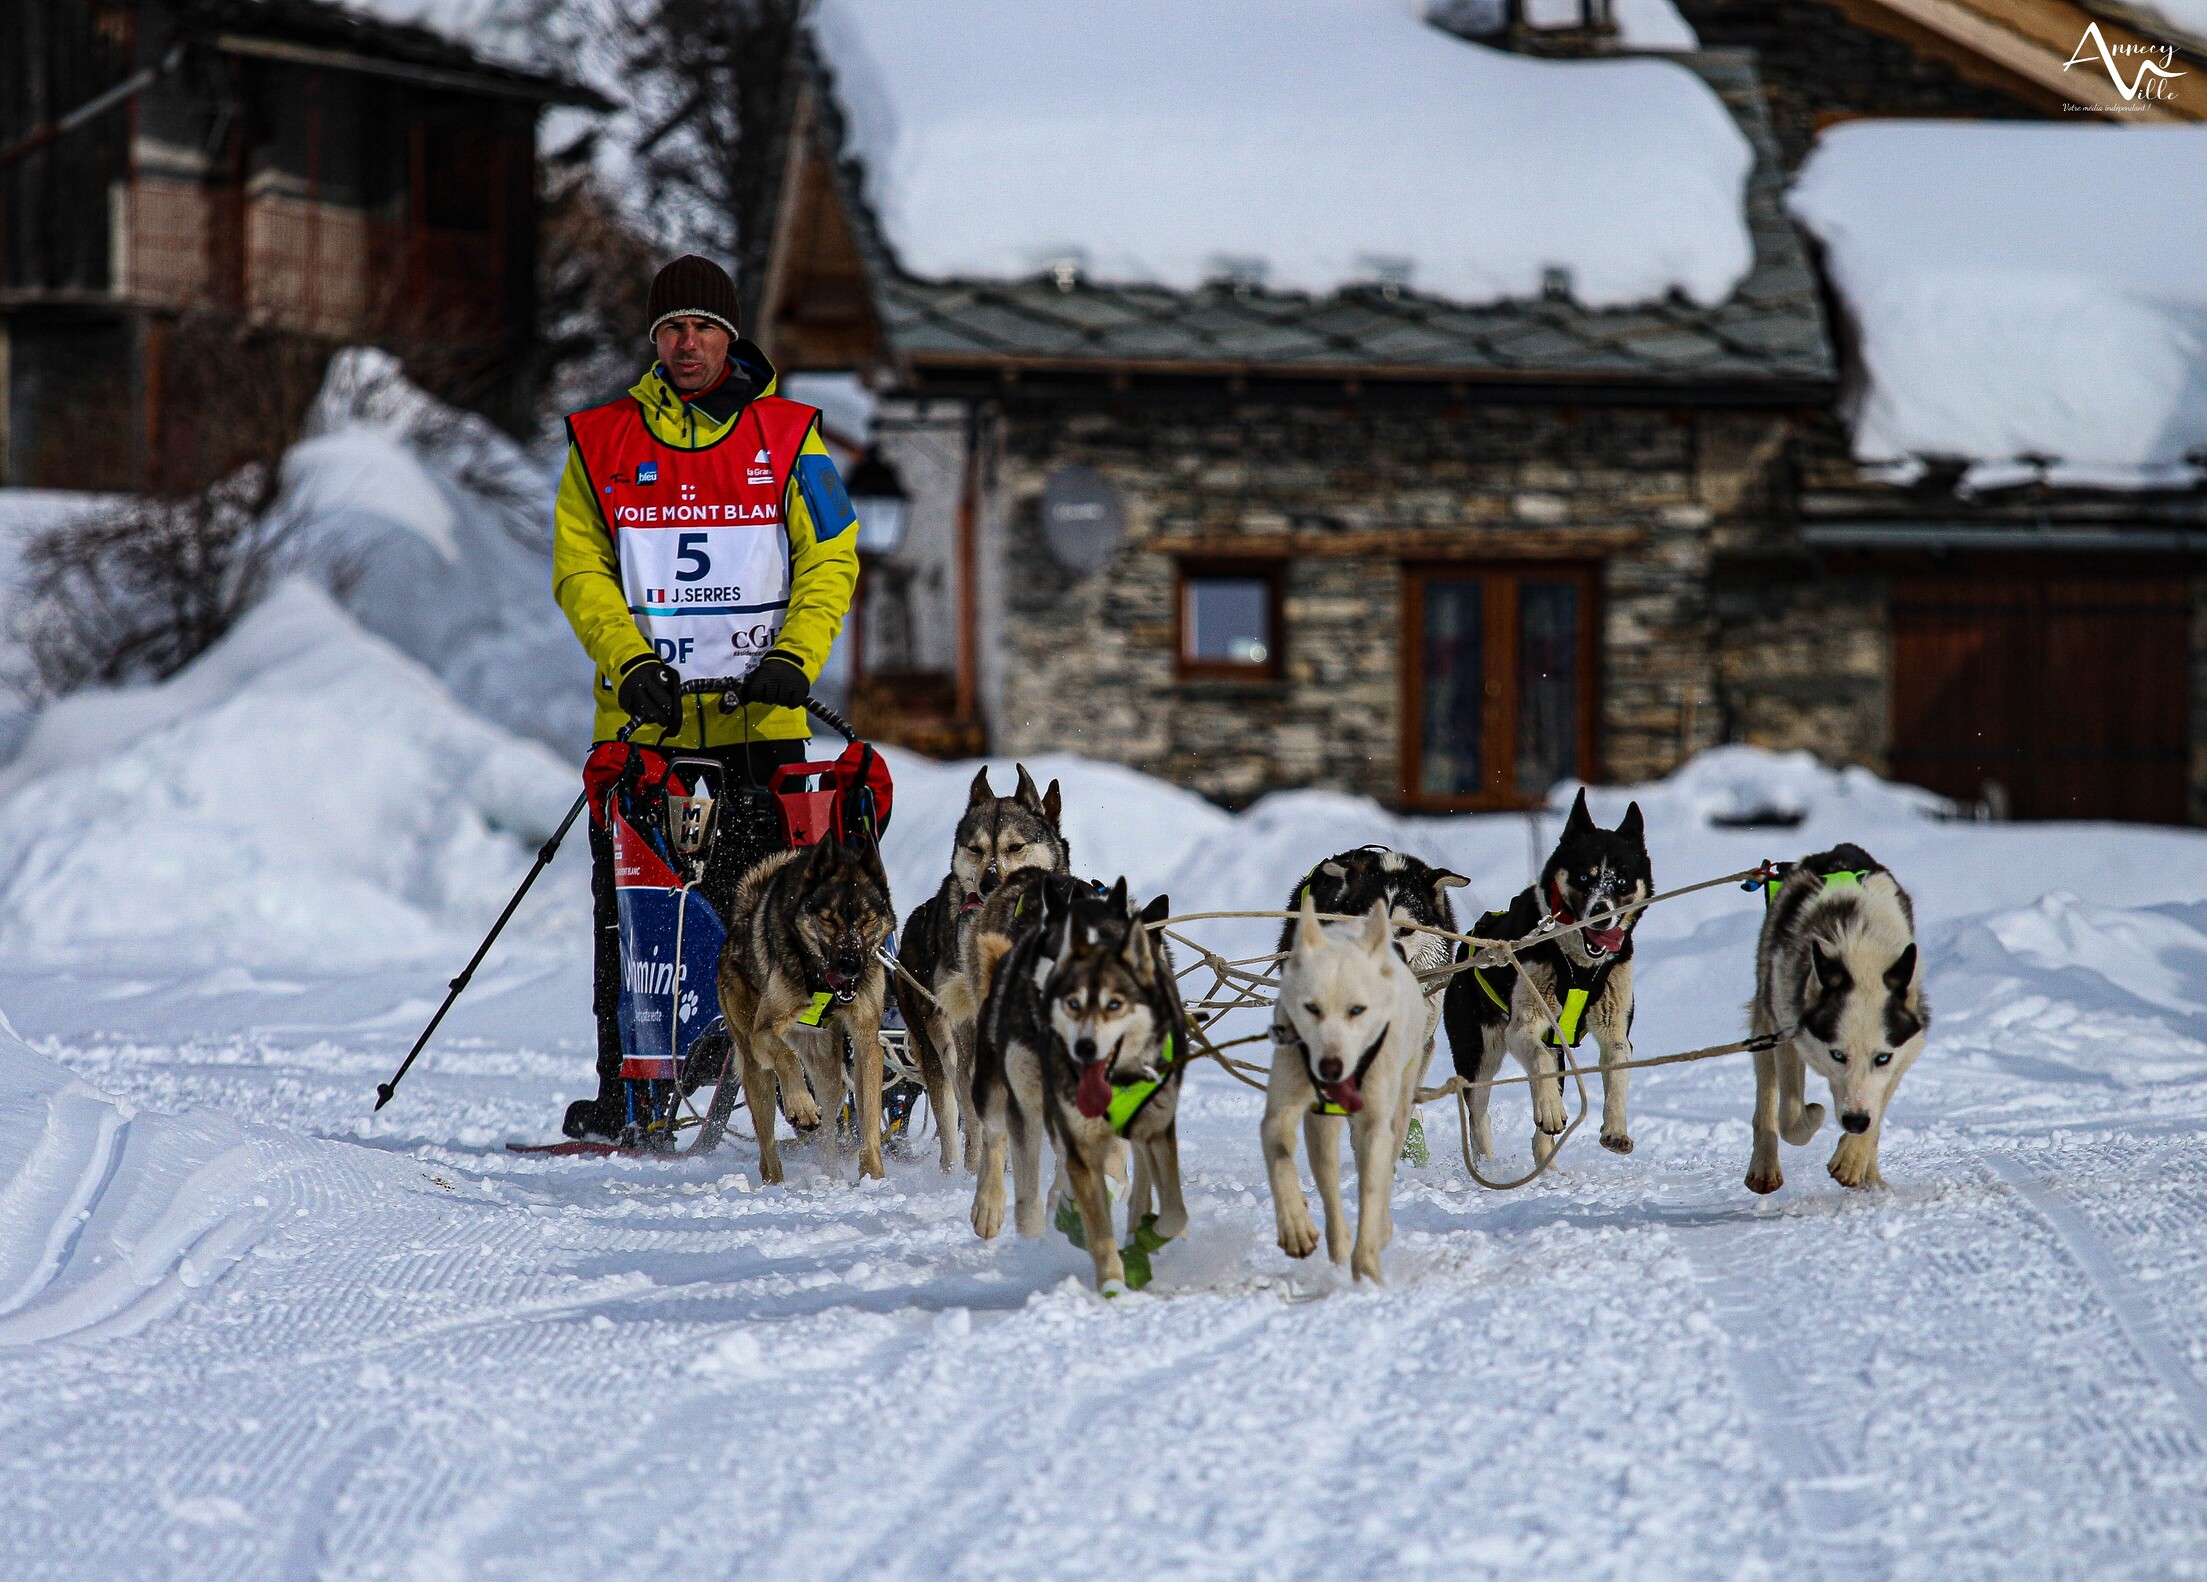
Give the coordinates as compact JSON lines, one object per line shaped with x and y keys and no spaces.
{"x":1592,"y":876}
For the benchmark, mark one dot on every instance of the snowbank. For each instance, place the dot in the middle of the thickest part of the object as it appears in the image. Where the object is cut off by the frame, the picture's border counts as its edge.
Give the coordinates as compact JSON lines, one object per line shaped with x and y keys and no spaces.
{"x":436,"y":527}
{"x":2021,"y":289}
{"x":1312,"y":143}
{"x":302,"y":794}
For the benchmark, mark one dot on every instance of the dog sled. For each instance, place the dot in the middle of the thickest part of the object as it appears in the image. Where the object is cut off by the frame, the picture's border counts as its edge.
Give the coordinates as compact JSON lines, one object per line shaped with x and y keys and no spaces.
{"x":681,"y":837}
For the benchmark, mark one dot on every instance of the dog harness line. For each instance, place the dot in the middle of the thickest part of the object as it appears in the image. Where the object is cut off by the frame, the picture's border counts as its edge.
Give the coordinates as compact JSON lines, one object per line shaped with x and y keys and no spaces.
{"x":1127,"y":1102}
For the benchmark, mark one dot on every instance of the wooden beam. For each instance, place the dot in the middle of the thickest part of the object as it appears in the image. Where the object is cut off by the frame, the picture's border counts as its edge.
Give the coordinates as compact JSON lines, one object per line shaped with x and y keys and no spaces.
{"x":1415,"y":543}
{"x":2035,"y":39}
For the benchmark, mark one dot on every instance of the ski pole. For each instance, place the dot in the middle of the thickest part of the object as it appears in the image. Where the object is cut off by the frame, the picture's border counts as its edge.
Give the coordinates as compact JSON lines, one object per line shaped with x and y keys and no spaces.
{"x":544,"y":856}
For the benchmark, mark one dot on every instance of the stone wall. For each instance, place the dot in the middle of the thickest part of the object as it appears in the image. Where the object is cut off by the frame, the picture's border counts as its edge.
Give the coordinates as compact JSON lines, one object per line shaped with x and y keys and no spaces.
{"x":1089,"y":664}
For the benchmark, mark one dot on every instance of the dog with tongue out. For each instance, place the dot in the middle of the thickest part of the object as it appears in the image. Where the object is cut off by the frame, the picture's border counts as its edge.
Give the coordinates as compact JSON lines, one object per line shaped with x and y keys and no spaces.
{"x":1574,"y":928}
{"x":1082,"y":1039}
{"x":1348,"y":1043}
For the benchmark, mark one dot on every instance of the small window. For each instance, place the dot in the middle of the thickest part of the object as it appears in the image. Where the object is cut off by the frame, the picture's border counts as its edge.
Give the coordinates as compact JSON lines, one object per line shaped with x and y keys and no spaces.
{"x":1230,"y":621}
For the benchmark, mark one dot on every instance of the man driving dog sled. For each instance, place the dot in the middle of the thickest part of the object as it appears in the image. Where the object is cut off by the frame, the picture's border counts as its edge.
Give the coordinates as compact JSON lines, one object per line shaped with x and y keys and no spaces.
{"x":700,"y":530}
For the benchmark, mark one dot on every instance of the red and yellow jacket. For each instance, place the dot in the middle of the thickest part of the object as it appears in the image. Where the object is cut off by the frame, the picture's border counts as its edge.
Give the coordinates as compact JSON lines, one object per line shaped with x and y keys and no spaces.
{"x":586,"y":577}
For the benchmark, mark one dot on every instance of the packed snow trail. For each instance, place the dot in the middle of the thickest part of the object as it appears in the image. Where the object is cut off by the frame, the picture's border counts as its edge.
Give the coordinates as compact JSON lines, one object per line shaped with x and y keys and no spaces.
{"x":248,"y":1331}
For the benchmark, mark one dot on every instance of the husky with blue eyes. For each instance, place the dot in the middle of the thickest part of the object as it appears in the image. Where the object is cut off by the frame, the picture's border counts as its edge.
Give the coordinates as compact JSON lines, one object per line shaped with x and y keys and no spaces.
{"x":1837,"y":970}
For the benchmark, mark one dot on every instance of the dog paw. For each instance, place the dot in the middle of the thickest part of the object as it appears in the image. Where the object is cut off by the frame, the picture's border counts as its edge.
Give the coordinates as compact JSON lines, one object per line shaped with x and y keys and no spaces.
{"x":988,"y":1219}
{"x":1549,"y":1115}
{"x":1854,"y":1163}
{"x":1617,"y":1142}
{"x":1298,"y":1237}
{"x":803,"y":1113}
{"x":1364,"y":1265}
{"x":1765,"y":1181}
{"x":1811,"y":1119}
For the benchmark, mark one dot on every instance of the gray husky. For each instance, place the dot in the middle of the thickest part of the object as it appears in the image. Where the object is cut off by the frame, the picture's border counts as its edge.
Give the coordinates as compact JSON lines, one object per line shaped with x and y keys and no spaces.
{"x":997,"y":837}
{"x":1837,"y":970}
{"x":802,"y":971}
{"x":1084,"y":1040}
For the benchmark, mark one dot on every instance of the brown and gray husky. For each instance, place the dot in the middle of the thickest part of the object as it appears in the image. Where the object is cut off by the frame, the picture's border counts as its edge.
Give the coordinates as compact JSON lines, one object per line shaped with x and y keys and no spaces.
{"x":1084,"y":1040}
{"x":998,"y":836}
{"x":800,"y":973}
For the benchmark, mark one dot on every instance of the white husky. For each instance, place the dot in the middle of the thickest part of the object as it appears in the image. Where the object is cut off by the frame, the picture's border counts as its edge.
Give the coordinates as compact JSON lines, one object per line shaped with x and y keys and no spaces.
{"x":1349,"y":1037}
{"x":1837,"y":965}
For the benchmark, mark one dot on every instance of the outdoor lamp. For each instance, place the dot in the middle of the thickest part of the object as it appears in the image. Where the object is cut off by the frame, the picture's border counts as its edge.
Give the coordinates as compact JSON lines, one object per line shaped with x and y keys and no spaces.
{"x":884,"y":509}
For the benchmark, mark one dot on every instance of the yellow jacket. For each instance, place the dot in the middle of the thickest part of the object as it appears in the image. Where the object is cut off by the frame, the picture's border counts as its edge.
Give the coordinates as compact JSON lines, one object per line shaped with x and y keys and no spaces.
{"x":586,"y":579}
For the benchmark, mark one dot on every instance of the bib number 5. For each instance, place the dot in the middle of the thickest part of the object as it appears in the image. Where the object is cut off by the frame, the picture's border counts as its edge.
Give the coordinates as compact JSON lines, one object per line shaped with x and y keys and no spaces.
{"x":691,"y":563}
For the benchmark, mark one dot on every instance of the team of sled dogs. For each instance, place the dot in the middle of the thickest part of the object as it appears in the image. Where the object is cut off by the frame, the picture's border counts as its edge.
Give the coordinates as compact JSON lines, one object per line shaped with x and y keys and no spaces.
{"x":1041,"y":1005}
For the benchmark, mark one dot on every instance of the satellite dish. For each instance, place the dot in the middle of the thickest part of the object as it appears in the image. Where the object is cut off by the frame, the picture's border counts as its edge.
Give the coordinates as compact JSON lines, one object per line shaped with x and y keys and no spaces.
{"x":1083,"y":521}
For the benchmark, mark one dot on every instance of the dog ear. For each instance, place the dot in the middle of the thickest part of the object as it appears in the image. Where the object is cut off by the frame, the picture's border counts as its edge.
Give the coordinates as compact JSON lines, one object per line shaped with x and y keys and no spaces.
{"x":1026,"y":792}
{"x":980,"y":791}
{"x":1159,"y":908}
{"x":1629,"y":827}
{"x":1333,"y":869}
{"x":1053,"y":804}
{"x":1117,"y":898}
{"x":1903,"y":970}
{"x":1444,"y":880}
{"x":1830,"y":971}
{"x":1377,"y":928}
{"x":1308,"y":935}
{"x":1057,"y":896}
{"x":1136,"y":948}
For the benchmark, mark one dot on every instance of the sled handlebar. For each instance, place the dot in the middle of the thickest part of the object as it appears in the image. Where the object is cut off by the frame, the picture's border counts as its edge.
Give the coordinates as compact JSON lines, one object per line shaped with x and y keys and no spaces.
{"x":726,"y":686}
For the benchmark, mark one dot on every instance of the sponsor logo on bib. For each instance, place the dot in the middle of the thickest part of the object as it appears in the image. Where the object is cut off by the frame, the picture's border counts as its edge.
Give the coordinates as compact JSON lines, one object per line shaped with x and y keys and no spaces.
{"x":647,"y":472}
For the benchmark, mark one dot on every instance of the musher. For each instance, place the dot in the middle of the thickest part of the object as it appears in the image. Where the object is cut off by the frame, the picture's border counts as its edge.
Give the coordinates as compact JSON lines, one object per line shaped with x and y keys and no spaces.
{"x":701,"y":530}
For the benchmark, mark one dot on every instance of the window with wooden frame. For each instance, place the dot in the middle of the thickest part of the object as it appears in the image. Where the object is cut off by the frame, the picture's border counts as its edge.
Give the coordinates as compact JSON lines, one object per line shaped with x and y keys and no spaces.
{"x":1500,"y":682}
{"x":1229,"y":619}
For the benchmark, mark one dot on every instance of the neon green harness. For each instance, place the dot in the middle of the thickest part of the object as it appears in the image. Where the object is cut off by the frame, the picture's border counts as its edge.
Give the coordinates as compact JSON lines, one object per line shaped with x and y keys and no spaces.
{"x":1844,"y":879}
{"x":822,"y":999}
{"x":1127,"y":1102}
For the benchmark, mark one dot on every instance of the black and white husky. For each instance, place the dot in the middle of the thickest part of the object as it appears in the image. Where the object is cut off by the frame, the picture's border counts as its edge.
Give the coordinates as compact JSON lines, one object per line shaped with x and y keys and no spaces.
{"x":1837,"y":966}
{"x":1587,"y":975}
{"x":1083,"y":1040}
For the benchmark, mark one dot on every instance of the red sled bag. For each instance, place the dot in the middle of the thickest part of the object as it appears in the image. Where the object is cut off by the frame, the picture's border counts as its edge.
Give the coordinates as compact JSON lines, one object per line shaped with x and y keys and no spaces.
{"x":610,"y":764}
{"x":850,"y":797}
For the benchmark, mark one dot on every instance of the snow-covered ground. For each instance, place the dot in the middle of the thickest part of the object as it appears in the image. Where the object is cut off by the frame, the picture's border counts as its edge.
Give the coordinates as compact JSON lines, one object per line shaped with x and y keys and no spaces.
{"x":248,"y":1330}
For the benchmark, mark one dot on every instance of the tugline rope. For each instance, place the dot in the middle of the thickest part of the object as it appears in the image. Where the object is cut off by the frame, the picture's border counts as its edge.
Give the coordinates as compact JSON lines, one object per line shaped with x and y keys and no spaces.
{"x":1234,"y":975}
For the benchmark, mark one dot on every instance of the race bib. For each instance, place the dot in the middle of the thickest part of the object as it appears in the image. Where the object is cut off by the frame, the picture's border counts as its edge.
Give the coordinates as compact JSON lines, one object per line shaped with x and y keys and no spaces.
{"x":710,"y":598}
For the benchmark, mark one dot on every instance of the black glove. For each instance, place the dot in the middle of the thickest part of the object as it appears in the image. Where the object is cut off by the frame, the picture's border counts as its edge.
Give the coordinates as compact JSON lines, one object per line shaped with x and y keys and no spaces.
{"x":778,"y":683}
{"x":652,"y":692}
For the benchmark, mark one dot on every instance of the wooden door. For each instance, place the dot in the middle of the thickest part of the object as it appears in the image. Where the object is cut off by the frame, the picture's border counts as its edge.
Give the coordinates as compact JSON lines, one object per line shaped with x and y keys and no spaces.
{"x":1499,"y":682}
{"x":2070,"y":691}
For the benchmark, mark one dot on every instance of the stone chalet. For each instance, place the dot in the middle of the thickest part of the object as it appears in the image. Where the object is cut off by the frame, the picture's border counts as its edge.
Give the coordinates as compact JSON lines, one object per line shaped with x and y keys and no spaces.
{"x":1445,"y":555}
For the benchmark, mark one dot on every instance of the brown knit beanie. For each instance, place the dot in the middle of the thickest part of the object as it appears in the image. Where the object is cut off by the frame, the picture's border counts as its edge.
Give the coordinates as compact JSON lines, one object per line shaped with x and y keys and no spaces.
{"x":695,"y":288}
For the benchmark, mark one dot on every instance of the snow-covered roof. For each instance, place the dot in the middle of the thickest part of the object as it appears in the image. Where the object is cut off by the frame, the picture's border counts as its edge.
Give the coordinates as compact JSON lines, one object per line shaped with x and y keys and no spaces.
{"x":1301,"y":145}
{"x":2021,"y":289}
